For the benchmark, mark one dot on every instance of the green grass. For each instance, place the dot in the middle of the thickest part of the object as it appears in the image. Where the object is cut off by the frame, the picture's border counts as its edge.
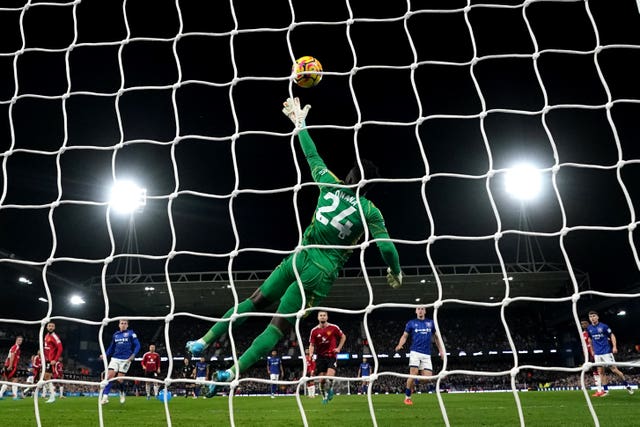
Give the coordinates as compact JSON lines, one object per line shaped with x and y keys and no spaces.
{"x":565,"y":408}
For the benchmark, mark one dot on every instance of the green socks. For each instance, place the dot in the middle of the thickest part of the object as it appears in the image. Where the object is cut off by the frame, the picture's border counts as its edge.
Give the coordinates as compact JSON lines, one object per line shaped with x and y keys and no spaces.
{"x":220,"y":328}
{"x":259,"y":347}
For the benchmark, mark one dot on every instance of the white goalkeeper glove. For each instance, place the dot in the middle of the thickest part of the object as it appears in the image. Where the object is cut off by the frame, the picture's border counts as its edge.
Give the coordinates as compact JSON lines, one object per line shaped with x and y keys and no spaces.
{"x":394,"y":280}
{"x":296,"y":114}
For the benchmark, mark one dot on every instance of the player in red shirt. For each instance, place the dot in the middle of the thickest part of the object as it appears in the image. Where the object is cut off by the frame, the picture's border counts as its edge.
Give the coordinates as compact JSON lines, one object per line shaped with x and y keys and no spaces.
{"x":10,"y":367}
{"x":151,"y":367}
{"x":58,"y":374}
{"x":325,"y":342}
{"x":585,"y":336}
{"x":52,"y":353}
{"x":311,"y":370}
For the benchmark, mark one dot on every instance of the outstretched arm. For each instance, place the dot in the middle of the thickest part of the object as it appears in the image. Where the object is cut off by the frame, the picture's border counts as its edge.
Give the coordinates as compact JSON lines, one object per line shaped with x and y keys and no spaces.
{"x":297,"y":115}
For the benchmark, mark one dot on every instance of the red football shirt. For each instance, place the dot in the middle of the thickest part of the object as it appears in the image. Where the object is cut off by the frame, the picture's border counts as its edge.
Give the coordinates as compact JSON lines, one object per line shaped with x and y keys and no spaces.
{"x":52,"y":347}
{"x":325,"y":340}
{"x":150,"y":361}
{"x":15,"y":350}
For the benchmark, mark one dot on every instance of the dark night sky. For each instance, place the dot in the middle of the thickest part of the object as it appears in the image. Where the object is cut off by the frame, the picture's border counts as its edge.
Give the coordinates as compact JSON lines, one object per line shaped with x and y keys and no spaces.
{"x":180,"y":115}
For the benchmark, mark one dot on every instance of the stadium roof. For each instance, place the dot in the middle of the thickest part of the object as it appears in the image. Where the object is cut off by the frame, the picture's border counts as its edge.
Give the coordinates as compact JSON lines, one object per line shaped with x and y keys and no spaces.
{"x":210,"y":293}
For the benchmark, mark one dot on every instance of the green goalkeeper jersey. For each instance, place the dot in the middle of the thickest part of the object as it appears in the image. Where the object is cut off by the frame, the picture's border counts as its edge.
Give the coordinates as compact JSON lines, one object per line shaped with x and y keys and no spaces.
{"x":337,"y":219}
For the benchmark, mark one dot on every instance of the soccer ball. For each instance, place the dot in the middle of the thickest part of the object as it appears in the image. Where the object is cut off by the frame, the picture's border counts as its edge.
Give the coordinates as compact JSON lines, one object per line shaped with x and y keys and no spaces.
{"x":307,"y":71}
{"x":163,"y":395}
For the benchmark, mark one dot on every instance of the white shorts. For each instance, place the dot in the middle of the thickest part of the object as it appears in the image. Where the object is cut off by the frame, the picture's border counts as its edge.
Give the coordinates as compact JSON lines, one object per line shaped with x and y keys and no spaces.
{"x":420,"y":361}
{"x":119,"y":365}
{"x":274,"y":377}
{"x":200,"y":379}
{"x":607,"y":359}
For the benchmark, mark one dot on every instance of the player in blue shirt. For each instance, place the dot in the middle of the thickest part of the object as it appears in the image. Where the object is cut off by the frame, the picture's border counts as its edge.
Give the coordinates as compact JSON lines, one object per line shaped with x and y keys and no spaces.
{"x":364,"y":371}
{"x":201,"y":373}
{"x":123,"y":349}
{"x":604,"y":345}
{"x":422,"y":332}
{"x":274,"y":369}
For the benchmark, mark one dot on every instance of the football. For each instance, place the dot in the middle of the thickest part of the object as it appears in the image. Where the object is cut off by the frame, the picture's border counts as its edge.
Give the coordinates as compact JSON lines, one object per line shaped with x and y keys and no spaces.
{"x":307,"y":71}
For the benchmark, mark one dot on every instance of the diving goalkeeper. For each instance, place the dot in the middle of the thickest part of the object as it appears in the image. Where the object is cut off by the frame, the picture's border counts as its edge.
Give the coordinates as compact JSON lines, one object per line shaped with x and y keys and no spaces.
{"x":337,"y":221}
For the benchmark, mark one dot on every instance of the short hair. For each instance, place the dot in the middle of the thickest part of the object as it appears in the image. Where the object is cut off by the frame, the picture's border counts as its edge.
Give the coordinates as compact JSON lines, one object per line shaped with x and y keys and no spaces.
{"x":593,"y":312}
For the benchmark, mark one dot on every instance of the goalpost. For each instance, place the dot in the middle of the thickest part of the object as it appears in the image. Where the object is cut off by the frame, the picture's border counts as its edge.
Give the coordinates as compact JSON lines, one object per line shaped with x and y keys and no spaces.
{"x":445,"y":96}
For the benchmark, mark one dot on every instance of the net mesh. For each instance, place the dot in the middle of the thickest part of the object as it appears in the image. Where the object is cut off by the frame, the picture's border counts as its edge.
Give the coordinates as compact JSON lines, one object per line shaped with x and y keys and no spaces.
{"x":442,"y":94}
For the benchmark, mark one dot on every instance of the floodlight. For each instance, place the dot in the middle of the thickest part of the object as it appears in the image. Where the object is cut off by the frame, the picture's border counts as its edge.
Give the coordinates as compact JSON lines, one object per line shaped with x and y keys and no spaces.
{"x":127,"y":197}
{"x":76,"y":300}
{"x":523,"y":182}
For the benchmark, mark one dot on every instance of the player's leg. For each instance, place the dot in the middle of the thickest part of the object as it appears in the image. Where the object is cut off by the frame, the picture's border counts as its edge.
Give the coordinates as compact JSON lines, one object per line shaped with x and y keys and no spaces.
{"x":147,"y":387}
{"x":331,"y":373}
{"x":122,"y":386}
{"x":4,"y":387}
{"x":290,"y":303}
{"x":270,"y":291}
{"x":620,"y":375}
{"x":259,"y":347}
{"x":51,"y":388}
{"x":413,"y":370}
{"x":111,"y":373}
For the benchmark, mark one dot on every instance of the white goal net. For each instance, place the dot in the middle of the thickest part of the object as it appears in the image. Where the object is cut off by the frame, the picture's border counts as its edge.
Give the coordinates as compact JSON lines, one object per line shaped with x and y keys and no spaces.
{"x":448,"y":98}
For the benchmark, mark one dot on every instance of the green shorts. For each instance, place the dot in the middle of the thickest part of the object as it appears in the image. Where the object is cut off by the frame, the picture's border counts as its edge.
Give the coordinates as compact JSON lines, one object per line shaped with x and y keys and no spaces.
{"x":317,"y":279}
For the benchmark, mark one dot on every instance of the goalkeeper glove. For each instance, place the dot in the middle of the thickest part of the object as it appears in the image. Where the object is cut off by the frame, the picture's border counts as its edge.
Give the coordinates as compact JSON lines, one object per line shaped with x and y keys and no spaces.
{"x":296,"y":114}
{"x":394,"y":280}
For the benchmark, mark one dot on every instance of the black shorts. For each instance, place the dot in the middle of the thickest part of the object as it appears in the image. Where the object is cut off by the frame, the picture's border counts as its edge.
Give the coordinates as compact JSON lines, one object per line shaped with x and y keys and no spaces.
{"x":48,"y":368}
{"x":150,"y":374}
{"x":323,"y":363}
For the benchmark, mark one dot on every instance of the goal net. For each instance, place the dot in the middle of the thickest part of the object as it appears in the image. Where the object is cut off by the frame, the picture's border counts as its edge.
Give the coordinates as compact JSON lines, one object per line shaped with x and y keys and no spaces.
{"x":448,"y":98}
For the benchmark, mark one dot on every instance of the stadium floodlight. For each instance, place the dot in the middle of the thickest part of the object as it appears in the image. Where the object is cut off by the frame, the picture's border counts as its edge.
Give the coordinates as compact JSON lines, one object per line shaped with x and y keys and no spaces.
{"x":523,"y":182}
{"x":76,"y":300}
{"x":127,"y":197}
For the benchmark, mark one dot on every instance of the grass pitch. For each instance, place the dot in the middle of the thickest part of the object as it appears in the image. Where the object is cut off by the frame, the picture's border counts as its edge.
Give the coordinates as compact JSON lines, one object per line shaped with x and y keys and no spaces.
{"x":565,"y":408}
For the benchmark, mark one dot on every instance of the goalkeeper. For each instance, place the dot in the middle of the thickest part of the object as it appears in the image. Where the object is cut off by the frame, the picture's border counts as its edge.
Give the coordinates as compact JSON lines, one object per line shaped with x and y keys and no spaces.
{"x":337,"y":221}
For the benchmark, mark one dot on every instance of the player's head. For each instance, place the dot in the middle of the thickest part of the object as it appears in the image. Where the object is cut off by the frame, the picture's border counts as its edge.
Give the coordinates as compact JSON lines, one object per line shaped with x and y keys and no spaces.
{"x":186,"y":360}
{"x":370,"y":171}
{"x":323,"y":317}
{"x":123,"y":324}
{"x":51,"y":327}
{"x":152,"y":347}
{"x":593,"y":317}
{"x":421,"y":311}
{"x":274,"y":353}
{"x":584,"y":324}
{"x":19,"y":339}
{"x":202,"y":359}
{"x":364,"y":360}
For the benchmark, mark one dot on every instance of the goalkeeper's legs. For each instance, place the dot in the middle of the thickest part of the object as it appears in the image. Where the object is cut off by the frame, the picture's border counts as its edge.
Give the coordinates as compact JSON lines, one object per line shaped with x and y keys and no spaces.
{"x":271,"y":290}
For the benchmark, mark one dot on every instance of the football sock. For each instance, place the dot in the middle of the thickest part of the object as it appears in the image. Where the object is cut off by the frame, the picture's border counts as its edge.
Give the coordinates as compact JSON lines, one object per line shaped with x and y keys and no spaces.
{"x":259,"y":347}
{"x":107,"y":388}
{"x":221,"y":328}
{"x":407,"y":392}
